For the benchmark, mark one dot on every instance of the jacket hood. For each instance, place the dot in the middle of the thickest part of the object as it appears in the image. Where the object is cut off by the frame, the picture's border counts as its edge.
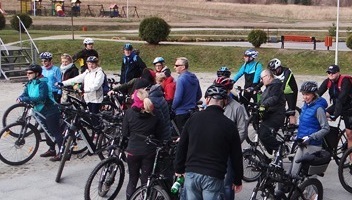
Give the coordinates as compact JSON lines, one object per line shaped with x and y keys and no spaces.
{"x":320,"y":101}
{"x":156,"y":91}
{"x":189,"y":77}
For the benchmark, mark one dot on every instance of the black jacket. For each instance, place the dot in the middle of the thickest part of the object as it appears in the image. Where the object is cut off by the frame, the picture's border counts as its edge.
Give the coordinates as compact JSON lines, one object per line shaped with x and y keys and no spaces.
{"x":206,"y":143}
{"x":131,"y":67}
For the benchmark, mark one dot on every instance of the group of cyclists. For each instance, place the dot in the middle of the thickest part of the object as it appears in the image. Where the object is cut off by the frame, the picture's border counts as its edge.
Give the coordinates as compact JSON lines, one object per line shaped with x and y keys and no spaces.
{"x":158,"y":99}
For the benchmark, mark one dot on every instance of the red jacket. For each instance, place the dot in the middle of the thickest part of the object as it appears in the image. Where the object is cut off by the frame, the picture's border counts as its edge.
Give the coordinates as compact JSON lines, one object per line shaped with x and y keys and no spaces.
{"x":169,"y":86}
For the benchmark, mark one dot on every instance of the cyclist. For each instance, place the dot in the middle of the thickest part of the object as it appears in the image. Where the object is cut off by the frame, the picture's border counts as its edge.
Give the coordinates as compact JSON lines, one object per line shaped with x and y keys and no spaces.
{"x":237,"y":113}
{"x":132,"y":65}
{"x":224,"y":71}
{"x":289,"y":84}
{"x":313,"y":124}
{"x":82,"y":55}
{"x":209,"y":139}
{"x":52,"y":73}
{"x":167,"y":83}
{"x":68,"y":70}
{"x":38,"y":93}
{"x":251,"y":70}
{"x":340,"y":91}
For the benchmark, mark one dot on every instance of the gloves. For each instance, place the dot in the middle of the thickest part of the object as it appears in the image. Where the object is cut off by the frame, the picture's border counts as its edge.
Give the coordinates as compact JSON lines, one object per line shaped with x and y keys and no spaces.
{"x":305,"y":139}
{"x":59,"y":84}
{"x":250,"y":89}
{"x":261,"y":111}
{"x":333,"y":117}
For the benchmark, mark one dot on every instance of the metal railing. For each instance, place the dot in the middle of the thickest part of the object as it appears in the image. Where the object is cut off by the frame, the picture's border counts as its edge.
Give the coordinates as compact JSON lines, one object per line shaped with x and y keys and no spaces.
{"x":33,"y":46}
{"x":2,"y":44}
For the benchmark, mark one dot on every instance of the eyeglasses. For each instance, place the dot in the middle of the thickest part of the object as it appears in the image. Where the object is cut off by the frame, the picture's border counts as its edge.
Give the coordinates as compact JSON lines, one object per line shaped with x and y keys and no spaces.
{"x":90,"y":44}
{"x":158,"y":65}
{"x":178,"y":65}
{"x":263,"y":77}
{"x":28,"y":73}
{"x":331,"y":73}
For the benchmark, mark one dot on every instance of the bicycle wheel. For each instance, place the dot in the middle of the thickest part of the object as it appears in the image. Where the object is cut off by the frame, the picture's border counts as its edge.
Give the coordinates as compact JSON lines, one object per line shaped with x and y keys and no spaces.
{"x":156,"y":193}
{"x":64,"y":157}
{"x":345,"y":170}
{"x":79,"y":146}
{"x":16,"y":113}
{"x":341,"y":147}
{"x":102,"y":143}
{"x":106,"y":180}
{"x":18,"y":144}
{"x":309,"y":189}
{"x":250,"y":171}
{"x":252,"y":137}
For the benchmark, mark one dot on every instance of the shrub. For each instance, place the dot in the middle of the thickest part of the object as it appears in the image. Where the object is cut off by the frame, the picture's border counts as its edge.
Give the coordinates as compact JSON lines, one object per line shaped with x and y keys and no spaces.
{"x":349,"y":41}
{"x":26,"y":20}
{"x":257,"y":37}
{"x":332,"y":30}
{"x":153,"y":30}
{"x":2,"y":21}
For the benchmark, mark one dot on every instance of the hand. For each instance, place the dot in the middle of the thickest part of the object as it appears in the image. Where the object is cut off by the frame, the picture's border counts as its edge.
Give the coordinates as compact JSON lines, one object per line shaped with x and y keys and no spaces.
{"x":305,"y":139}
{"x":250,"y":89}
{"x":332,"y":117}
{"x":261,"y":110}
{"x":18,"y":100}
{"x":59,"y":84}
{"x":110,"y":92}
{"x":236,"y":188}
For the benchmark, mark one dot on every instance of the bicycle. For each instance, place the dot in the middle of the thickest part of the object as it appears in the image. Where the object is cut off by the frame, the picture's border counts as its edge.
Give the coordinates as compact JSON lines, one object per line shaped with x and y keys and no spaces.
{"x":301,"y":186}
{"x":106,"y":179}
{"x":345,"y":170}
{"x":158,"y":186}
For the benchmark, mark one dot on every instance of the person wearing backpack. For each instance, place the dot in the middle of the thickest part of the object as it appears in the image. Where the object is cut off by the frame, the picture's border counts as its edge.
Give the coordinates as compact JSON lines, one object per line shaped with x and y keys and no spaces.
{"x":132,"y":65}
{"x":340,"y":91}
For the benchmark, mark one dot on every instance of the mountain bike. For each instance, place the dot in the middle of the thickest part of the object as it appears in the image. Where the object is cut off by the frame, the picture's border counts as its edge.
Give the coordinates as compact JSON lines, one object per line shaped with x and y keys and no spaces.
{"x":345,"y":170}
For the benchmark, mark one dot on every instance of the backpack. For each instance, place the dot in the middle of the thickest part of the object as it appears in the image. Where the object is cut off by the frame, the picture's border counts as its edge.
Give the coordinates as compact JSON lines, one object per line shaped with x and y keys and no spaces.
{"x":105,"y":85}
{"x":339,"y":83}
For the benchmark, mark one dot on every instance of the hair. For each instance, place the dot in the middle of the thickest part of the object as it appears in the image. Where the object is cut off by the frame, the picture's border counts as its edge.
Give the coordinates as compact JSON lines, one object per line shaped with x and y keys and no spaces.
{"x":184,"y":61}
{"x":142,"y":94}
{"x":269,"y":73}
{"x":160,"y":77}
{"x":149,"y":75}
{"x":66,"y":56}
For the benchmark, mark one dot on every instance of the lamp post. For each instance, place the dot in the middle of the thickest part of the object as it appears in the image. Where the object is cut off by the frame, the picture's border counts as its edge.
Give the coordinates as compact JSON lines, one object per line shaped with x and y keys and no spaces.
{"x":127,"y":10}
{"x":337,"y":32}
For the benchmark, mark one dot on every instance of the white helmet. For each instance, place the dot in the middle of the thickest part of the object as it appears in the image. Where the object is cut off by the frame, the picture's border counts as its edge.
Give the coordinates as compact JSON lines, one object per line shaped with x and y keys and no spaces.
{"x":88,"y":41}
{"x":274,"y":64}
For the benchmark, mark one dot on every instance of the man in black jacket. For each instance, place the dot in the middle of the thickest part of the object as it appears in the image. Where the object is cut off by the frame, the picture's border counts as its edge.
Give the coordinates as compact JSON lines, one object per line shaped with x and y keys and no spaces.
{"x":132,"y":65}
{"x":206,"y":143}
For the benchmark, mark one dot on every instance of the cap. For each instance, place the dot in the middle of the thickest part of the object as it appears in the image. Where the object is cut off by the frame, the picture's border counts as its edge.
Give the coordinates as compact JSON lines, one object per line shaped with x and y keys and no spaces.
{"x":333,"y":69}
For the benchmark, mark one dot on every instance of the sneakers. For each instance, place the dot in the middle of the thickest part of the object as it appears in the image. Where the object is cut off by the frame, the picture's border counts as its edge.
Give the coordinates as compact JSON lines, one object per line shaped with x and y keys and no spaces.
{"x":55,"y":158}
{"x":48,"y":153}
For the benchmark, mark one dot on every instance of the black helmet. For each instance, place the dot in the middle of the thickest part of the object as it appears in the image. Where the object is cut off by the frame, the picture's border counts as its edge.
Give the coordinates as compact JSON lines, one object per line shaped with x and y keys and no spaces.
{"x":35,"y":68}
{"x":309,"y":87}
{"x":223,"y":71}
{"x":92,"y":59}
{"x":128,"y":46}
{"x":216,"y":92}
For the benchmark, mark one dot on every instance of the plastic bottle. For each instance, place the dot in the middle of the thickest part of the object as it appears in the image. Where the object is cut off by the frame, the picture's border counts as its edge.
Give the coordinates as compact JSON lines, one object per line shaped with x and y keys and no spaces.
{"x":177,"y":185}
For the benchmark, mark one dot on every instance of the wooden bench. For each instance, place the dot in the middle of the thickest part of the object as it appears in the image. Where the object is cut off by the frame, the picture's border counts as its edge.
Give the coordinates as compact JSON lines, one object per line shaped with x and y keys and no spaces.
{"x":298,"y":38}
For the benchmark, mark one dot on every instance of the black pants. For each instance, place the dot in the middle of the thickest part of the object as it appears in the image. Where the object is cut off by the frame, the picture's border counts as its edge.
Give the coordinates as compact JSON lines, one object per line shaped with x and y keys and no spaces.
{"x":94,"y":108}
{"x":139,"y":166}
{"x":181,"y":120}
{"x":57,"y":97}
{"x":52,"y":124}
{"x":268,"y":137}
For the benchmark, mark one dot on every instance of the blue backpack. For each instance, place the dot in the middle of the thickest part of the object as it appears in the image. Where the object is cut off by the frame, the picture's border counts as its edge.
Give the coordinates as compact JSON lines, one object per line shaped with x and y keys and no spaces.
{"x":105,"y":85}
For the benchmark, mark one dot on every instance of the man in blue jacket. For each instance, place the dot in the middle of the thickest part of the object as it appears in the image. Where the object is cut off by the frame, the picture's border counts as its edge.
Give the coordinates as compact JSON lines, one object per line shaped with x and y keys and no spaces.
{"x":187,"y":93}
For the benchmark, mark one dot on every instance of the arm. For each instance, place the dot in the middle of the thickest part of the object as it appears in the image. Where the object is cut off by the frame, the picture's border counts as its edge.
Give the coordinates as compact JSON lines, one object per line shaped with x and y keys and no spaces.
{"x":346,"y":88}
{"x":96,"y":84}
{"x":324,"y":124}
{"x":292,"y":98}
{"x":274,"y":96}
{"x":257,"y":73}
{"x":178,"y":94}
{"x":323,"y":87}
{"x":43,"y":94}
{"x":239,"y":74}
{"x":236,"y":158}
{"x":242,"y":122}
{"x":77,"y":79}
{"x":199,"y":92}
{"x":58,"y":77}
{"x":77,"y":56}
{"x":125,"y":128}
{"x":182,"y":149}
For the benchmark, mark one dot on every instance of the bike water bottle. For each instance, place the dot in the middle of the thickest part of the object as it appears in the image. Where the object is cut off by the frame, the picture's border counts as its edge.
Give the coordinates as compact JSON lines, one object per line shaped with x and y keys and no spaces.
{"x":177,"y":185}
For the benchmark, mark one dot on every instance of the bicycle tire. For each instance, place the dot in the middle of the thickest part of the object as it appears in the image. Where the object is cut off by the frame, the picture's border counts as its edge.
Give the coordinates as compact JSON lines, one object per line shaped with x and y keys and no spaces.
{"x":80,"y":145}
{"x":341,"y":147}
{"x":305,"y":189}
{"x":14,"y":114}
{"x":251,"y":138}
{"x":249,"y":168}
{"x":157,"y":192}
{"x":25,"y":148}
{"x":345,"y":170}
{"x":102,"y":143}
{"x":104,"y":176}
{"x":64,"y":157}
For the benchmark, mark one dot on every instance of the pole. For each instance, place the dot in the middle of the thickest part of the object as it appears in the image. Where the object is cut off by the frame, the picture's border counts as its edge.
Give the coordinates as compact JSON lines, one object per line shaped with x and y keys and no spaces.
{"x":34,"y":8}
{"x":127,"y":10}
{"x":337,"y":32}
{"x":73,"y":33}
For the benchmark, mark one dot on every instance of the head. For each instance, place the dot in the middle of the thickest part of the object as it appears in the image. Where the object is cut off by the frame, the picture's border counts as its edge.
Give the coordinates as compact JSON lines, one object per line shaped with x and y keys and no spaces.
{"x":127,"y":49}
{"x":224,"y":71}
{"x":333,"y":72}
{"x":66,"y":59}
{"x":46,"y":58}
{"x":159,"y":63}
{"x":141,"y":101}
{"x":34,"y":71}
{"x":88,"y":43}
{"x":225,"y":82}
{"x":181,"y":65}
{"x":160,"y":78}
{"x":216,"y":95}
{"x":309,"y":91}
{"x":149,"y":75}
{"x":250,"y":55}
{"x":266,"y":77}
{"x":275,"y":66}
{"x":92,"y":62}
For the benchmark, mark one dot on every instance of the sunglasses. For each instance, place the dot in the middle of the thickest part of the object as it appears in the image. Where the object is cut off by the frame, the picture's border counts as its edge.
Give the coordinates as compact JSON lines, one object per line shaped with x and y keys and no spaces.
{"x":331,"y":72}
{"x":28,"y":73}
{"x":178,"y":65}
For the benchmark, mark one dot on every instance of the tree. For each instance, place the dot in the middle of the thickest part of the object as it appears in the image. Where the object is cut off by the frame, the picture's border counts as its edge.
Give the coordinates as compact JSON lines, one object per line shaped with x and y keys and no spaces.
{"x":25,"y":18}
{"x":257,"y":37}
{"x":349,"y":41}
{"x":153,"y":30}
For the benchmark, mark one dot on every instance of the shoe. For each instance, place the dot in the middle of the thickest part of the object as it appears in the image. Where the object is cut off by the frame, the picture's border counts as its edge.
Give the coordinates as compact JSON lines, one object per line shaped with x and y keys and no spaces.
{"x":48,"y":153}
{"x":55,"y":158}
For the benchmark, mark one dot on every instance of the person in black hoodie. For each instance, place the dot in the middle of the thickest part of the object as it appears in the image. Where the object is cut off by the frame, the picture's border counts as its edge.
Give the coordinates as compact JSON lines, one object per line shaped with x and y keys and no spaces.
{"x":139,"y":123}
{"x":82,"y":55}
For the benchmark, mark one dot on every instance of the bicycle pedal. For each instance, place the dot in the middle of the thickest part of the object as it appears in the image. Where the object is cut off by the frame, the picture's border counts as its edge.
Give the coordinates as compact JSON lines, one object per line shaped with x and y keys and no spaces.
{"x":80,"y":156}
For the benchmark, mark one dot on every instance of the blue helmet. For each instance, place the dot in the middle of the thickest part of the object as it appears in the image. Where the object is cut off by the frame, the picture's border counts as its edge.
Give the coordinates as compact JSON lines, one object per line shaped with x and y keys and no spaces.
{"x":223,"y":71}
{"x":128,"y":46}
{"x":46,"y":56}
{"x":92,"y":59}
{"x":158,"y":60}
{"x":251,"y":53}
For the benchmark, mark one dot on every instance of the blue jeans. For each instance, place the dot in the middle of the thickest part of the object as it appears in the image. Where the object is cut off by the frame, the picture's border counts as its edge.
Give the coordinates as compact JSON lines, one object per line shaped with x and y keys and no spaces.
{"x":229,"y":178}
{"x":202,"y":187}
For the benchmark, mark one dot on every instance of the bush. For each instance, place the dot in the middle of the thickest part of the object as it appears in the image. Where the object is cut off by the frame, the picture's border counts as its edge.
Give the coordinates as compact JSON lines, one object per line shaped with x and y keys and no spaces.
{"x":2,"y":21}
{"x":257,"y":37}
{"x":153,"y":30}
{"x":332,"y":30}
{"x":26,"y":20}
{"x":349,"y":41}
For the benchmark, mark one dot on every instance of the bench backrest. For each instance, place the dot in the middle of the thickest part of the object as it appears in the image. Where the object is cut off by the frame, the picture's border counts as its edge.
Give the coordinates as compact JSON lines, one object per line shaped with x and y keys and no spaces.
{"x":298,"y":38}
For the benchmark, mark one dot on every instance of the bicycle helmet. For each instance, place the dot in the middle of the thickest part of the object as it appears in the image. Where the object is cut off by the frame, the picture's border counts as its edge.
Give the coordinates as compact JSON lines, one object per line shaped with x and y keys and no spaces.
{"x":88,"y":41}
{"x":251,"y":53}
{"x":128,"y":46}
{"x":309,"y":87}
{"x":223,"y":71}
{"x":216,"y":92}
{"x":46,"y":56}
{"x":92,"y":59}
{"x":225,"y":82}
{"x":274,"y":64}
{"x":158,"y":60}
{"x":35,"y":68}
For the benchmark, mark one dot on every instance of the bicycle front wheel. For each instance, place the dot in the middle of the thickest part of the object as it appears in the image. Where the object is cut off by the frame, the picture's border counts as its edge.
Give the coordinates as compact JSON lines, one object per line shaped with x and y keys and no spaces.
{"x":341,"y":147}
{"x":309,"y":189}
{"x":16,"y":113}
{"x":345,"y":170}
{"x":156,"y":192}
{"x":106,"y":180}
{"x":18,"y":143}
{"x":250,"y":171}
{"x":64,"y":157}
